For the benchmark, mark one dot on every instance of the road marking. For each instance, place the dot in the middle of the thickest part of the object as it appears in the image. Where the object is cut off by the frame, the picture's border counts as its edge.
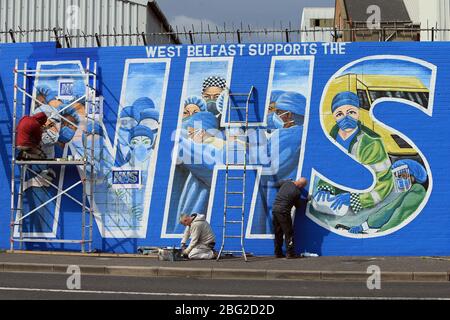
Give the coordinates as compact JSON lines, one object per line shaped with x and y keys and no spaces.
{"x":212,"y":295}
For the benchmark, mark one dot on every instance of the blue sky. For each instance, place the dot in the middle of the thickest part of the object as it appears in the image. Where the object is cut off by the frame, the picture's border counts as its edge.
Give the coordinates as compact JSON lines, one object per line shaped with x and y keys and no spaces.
{"x":292,"y":75}
{"x":145,"y":80}
{"x":199,"y":71}
{"x":256,"y":13}
{"x":289,"y":75}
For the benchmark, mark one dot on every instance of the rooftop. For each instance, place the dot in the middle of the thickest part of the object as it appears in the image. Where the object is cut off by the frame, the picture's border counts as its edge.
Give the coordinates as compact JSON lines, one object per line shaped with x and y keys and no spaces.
{"x":391,"y":10}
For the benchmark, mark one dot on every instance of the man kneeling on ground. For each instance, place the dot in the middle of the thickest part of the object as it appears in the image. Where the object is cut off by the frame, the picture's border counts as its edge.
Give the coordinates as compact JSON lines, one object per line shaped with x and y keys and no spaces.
{"x":202,"y":238}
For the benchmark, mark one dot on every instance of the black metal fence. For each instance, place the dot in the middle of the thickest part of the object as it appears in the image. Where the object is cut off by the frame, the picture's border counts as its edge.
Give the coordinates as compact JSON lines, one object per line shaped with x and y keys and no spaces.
{"x":67,"y":38}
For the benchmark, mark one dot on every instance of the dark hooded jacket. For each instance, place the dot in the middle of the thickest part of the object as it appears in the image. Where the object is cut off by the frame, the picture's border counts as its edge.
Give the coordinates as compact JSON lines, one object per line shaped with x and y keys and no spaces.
{"x":29,"y":130}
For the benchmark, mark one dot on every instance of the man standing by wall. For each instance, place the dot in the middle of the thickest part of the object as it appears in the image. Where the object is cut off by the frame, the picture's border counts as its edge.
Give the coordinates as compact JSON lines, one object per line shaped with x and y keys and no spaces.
{"x":291,"y":194}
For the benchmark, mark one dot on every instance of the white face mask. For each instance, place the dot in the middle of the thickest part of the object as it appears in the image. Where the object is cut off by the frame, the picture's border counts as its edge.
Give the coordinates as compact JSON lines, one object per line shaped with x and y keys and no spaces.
{"x":278,"y":121}
{"x":50,"y":137}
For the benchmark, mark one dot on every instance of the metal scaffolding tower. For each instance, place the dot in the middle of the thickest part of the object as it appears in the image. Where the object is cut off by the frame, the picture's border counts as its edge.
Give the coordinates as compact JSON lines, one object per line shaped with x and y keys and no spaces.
{"x":84,"y":162}
{"x":239,"y":148}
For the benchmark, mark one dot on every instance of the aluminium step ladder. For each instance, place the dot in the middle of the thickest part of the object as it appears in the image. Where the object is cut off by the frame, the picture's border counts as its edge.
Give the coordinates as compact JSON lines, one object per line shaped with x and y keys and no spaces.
{"x":232,"y":147}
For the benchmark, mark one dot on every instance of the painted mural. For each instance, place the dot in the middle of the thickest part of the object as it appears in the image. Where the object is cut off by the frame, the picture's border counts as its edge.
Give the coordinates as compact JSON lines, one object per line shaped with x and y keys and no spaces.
{"x":367,"y":128}
{"x":123,"y":167}
{"x":39,"y":194}
{"x":402,"y":177}
{"x":273,"y":151}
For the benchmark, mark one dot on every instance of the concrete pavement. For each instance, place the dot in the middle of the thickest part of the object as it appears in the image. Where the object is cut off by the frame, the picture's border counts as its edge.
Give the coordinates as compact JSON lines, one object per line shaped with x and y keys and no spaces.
{"x":435,"y":269}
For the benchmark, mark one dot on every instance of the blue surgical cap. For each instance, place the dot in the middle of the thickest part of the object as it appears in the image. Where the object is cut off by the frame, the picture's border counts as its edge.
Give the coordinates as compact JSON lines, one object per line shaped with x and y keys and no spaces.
{"x":293,"y":102}
{"x":127,"y":112}
{"x":144,"y":103}
{"x":275,"y":95}
{"x":49,"y":111}
{"x":415,"y":169}
{"x":140,"y":105}
{"x":141,"y":131}
{"x":200,"y":102}
{"x":70,"y":112}
{"x":150,"y":114}
{"x":343,"y":99}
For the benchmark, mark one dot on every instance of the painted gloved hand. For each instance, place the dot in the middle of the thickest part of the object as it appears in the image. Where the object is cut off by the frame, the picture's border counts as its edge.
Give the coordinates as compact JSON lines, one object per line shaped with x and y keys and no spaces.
{"x":322,"y":196}
{"x":356,"y":230}
{"x":340,"y":200}
{"x":220,"y":103}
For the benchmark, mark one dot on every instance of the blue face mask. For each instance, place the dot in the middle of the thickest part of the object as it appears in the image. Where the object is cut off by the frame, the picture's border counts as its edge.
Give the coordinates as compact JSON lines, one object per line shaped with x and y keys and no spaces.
{"x":66,"y":134}
{"x":187,"y":122}
{"x":277,"y":121}
{"x":212,"y":106}
{"x":347,"y":123}
{"x":141,"y":153}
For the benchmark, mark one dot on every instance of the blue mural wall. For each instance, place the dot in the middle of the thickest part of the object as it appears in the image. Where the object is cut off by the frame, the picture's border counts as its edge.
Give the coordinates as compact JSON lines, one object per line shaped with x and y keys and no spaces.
{"x":366,"y":123}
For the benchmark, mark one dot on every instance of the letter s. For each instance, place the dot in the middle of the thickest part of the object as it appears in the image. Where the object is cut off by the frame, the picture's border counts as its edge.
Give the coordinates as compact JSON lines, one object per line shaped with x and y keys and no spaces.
{"x":402,"y":179}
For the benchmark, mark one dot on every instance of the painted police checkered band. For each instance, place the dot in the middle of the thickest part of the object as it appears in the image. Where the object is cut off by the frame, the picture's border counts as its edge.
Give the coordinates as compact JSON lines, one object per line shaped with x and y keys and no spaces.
{"x":355,"y":203}
{"x":218,"y":82}
{"x":326,"y":188}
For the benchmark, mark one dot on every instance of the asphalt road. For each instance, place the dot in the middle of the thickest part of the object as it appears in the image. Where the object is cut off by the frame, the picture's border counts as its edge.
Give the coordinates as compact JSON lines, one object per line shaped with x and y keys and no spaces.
{"x":16,"y":286}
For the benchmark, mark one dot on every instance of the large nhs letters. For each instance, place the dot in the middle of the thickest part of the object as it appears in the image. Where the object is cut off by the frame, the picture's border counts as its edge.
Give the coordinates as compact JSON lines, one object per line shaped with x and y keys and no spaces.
{"x":366,"y":123}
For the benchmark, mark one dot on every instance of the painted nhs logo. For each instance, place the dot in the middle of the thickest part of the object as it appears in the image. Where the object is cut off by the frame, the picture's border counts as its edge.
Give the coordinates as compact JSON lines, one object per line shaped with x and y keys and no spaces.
{"x":126,"y":178}
{"x":65,"y":89}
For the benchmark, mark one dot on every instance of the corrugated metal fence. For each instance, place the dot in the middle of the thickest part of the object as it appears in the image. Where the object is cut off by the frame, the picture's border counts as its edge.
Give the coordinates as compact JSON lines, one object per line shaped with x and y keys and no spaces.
{"x":39,"y":18}
{"x":93,"y":23}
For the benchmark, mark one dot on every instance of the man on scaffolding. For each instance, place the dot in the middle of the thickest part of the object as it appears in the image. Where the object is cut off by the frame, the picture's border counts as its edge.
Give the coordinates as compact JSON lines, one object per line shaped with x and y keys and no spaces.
{"x":29,"y":137}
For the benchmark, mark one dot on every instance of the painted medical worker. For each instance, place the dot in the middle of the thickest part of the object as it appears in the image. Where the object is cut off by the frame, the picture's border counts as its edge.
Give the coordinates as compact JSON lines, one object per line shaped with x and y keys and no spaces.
{"x":285,"y":126}
{"x":142,"y":140}
{"x":368,"y":149}
{"x":200,"y":150}
{"x":150,"y":118}
{"x":213,"y":91}
{"x":192,"y":105}
{"x":130,"y":117}
{"x":286,"y":114}
{"x":410,"y":177}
